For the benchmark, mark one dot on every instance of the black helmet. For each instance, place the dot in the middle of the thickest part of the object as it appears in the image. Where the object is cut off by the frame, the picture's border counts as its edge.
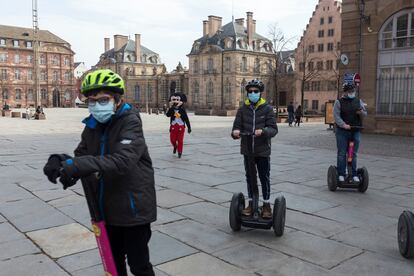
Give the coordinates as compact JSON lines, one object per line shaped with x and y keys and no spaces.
{"x":255,"y":83}
{"x":347,"y":87}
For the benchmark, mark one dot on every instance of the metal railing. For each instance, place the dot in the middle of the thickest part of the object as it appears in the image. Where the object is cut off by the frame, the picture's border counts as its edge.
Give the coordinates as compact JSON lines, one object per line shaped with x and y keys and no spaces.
{"x":395,"y":95}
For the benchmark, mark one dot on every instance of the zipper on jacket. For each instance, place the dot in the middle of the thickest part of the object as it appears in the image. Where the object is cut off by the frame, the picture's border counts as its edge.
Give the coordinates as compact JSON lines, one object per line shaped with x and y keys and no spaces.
{"x":132,"y":204}
{"x":254,"y":127}
{"x":101,"y":182}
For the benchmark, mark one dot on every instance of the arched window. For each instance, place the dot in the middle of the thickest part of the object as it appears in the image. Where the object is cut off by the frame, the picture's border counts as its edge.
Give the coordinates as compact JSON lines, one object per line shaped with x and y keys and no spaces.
{"x":137,"y":93}
{"x":18,"y":94}
{"x":395,"y":89}
{"x":55,"y":60}
{"x":210,"y":92}
{"x":210,"y":65}
{"x":243,"y":65}
{"x":227,"y":92}
{"x":67,"y":95}
{"x":196,"y":92}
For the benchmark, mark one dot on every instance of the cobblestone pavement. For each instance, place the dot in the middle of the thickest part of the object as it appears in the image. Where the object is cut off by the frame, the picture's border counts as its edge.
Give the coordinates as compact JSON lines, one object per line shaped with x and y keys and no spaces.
{"x":46,"y":231}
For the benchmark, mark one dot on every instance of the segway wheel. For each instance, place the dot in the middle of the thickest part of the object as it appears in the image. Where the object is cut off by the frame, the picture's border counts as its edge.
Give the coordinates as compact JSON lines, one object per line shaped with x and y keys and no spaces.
{"x":406,"y":234}
{"x":332,"y":178}
{"x":235,"y":213}
{"x":279,"y":215}
{"x":364,"y":179}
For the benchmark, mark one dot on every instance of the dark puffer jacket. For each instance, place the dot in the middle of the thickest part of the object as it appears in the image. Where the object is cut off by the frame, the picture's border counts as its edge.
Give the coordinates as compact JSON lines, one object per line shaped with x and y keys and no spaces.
{"x":250,"y":118}
{"x":113,"y":158}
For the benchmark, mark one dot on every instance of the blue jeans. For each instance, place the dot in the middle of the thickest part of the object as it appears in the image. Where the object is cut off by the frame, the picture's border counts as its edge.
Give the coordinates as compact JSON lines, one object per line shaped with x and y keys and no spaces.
{"x":263,"y":167}
{"x":291,"y":118}
{"x":342,"y":138}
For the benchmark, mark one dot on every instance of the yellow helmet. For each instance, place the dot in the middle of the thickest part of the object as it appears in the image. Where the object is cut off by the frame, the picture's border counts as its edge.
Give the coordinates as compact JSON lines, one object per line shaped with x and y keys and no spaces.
{"x":102,"y":79}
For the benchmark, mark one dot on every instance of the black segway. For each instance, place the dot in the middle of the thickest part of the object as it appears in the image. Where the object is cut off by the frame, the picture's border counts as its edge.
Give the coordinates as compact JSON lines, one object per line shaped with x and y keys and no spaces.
{"x":333,"y":177}
{"x":406,"y":234}
{"x":256,"y":221}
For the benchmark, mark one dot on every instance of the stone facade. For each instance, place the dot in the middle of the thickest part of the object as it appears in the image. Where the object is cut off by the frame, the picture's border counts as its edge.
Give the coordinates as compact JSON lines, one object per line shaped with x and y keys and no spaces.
{"x":385,"y":62}
{"x":17,"y":68}
{"x":316,"y":57}
{"x":223,"y":60}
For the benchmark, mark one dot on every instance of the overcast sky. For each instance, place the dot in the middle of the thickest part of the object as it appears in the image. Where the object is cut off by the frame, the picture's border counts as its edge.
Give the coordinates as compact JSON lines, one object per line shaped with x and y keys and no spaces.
{"x":167,"y":27}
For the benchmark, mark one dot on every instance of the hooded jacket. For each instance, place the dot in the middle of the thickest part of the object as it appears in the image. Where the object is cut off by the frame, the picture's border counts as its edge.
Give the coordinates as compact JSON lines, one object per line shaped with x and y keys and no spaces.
{"x":250,"y":117}
{"x":113,"y":158}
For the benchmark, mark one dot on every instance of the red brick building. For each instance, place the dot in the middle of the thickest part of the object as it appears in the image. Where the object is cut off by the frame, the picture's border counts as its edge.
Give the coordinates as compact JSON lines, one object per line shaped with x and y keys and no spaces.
{"x":17,"y":74}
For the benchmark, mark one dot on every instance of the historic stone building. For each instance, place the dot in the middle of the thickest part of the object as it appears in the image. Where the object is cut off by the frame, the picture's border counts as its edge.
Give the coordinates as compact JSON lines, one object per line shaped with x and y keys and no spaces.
{"x":17,"y":74}
{"x":223,"y":60}
{"x":384,"y":33}
{"x":146,"y":79}
{"x":316,"y":57}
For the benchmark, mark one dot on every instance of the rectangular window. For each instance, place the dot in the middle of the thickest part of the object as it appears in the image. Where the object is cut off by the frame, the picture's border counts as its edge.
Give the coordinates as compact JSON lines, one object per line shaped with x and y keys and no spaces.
{"x":30,"y":74}
{"x":315,"y":86}
{"x":310,"y":66}
{"x":311,"y":48}
{"x":315,"y":104}
{"x":331,"y":32}
{"x":329,"y":65}
{"x":2,"y":42}
{"x":67,"y":62}
{"x":320,"y":47}
{"x":3,"y":57}
{"x":43,"y":76}
{"x":305,"y":104}
{"x":17,"y":74}
{"x":42,"y":59}
{"x":306,"y":86}
{"x":67,"y":76}
{"x":330,"y":46}
{"x":30,"y":59}
{"x":15,"y":43}
{"x":28,"y":44}
{"x":17,"y":59}
{"x":322,"y":21}
{"x":321,"y":33}
{"x":18,"y":94}
{"x":330,"y":19}
{"x":319,"y":65}
{"x":4,"y":74}
{"x":227,"y":64}
{"x":196,"y":66}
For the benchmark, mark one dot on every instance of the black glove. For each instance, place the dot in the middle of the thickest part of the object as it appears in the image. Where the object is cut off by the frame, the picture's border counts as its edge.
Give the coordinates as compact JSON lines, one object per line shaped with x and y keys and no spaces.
{"x":53,"y":165}
{"x":66,"y":180}
{"x":189,"y":130}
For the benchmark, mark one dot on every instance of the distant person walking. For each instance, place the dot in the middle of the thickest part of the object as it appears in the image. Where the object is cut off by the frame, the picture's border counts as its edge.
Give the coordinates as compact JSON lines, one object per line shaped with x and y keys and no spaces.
{"x":298,"y":115}
{"x":291,"y":112}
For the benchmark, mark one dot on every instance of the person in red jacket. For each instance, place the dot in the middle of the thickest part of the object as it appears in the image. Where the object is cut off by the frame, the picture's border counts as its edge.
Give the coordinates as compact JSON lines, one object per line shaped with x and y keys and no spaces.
{"x":178,"y":120}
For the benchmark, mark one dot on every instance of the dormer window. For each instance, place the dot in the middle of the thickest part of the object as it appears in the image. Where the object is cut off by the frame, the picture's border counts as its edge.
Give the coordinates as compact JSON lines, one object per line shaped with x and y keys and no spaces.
{"x":15,"y":43}
{"x":2,"y":42}
{"x":28,"y":44}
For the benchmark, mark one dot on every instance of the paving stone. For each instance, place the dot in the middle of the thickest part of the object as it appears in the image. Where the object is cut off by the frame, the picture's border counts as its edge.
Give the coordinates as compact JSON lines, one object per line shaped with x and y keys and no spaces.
{"x":164,"y":248}
{"x":401,"y":190}
{"x":78,"y":212}
{"x":170,"y":198}
{"x":47,"y":195}
{"x":81,"y":260}
{"x":214,"y":195}
{"x":235,"y":187}
{"x":2,"y":219}
{"x":64,"y":240}
{"x":96,"y":270}
{"x":305,"y":204}
{"x":36,"y":184}
{"x":208,"y":213}
{"x":32,"y":214}
{"x":184,"y":186}
{"x":199,"y":235}
{"x":373,"y":265}
{"x":12,"y":192}
{"x":357,"y":217}
{"x":201,"y":178}
{"x":16,"y":248}
{"x":9,"y":233}
{"x":67,"y":201}
{"x":200,"y":264}
{"x":293,"y":266}
{"x":251,"y":256}
{"x":313,"y":224}
{"x":37,"y":264}
{"x":297,"y":189}
{"x":316,"y":250}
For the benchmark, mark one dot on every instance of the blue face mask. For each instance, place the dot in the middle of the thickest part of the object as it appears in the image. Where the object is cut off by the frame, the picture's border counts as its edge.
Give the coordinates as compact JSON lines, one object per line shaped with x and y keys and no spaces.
{"x":102,"y":113}
{"x":253,"y":97}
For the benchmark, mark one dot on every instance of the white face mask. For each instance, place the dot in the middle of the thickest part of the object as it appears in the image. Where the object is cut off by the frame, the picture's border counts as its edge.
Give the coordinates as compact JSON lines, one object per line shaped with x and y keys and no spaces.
{"x":102,"y":113}
{"x":351,"y":95}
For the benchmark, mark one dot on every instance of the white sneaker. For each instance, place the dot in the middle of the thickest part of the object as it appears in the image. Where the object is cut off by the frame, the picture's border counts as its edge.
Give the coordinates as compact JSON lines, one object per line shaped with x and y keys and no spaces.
{"x":355,"y":179}
{"x":341,"y":178}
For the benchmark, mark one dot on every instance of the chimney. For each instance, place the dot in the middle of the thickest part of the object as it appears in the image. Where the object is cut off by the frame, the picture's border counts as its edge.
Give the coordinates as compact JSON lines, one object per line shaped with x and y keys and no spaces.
{"x":250,"y":28}
{"x":106,"y":39}
{"x":205,"y":27}
{"x":138,"y":47}
{"x":240,"y":21}
{"x":119,"y":41}
{"x":254,"y":26}
{"x":214,"y":23}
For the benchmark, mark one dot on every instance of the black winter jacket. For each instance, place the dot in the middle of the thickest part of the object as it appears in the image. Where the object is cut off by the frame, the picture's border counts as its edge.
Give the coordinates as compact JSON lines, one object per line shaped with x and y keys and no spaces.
{"x":114,"y":158}
{"x":250,"y":118}
{"x":182,"y":113}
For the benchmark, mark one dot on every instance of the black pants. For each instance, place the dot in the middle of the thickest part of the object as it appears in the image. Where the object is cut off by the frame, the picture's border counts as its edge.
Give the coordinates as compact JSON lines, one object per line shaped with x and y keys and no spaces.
{"x":132,"y":242}
{"x":263,"y":166}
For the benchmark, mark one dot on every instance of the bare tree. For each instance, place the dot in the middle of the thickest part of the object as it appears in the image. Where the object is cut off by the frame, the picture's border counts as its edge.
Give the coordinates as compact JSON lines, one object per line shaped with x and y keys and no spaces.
{"x":307,"y":70}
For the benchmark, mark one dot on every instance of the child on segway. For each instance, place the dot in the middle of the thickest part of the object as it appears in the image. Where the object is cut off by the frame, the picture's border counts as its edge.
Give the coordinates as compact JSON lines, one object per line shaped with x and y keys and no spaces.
{"x":348,"y":113}
{"x":257,"y":119}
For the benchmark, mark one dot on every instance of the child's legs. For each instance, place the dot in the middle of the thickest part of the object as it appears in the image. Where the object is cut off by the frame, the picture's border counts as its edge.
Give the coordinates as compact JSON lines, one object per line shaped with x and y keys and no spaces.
{"x":263,"y":166}
{"x":173,"y":135}
{"x":116,"y":239}
{"x":136,"y":245}
{"x":250,"y":175}
{"x":180,"y":138}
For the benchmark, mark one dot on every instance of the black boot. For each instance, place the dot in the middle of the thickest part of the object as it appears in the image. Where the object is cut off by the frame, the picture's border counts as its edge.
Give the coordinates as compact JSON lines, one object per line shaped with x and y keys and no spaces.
{"x":175,"y":150}
{"x":179,"y":155}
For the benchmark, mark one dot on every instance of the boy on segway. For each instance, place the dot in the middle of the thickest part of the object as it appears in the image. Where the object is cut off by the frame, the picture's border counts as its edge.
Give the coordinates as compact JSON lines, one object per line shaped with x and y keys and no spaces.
{"x":257,"y":118}
{"x":348,"y":113}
